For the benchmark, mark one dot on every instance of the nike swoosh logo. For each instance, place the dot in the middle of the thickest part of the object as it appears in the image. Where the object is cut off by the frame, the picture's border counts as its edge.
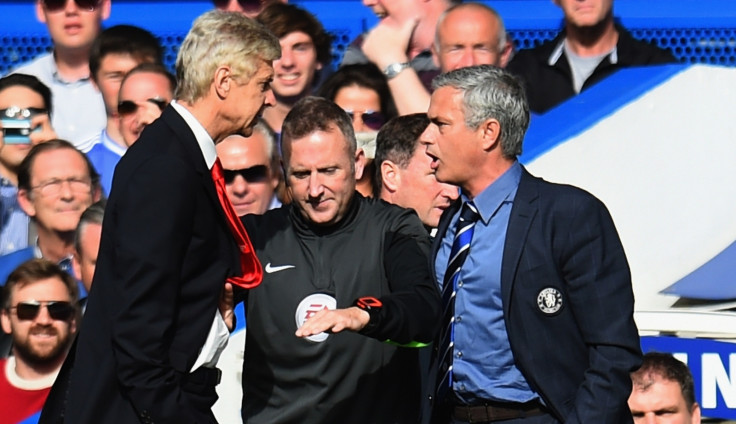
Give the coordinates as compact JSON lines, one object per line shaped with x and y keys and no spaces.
{"x":271,"y":269}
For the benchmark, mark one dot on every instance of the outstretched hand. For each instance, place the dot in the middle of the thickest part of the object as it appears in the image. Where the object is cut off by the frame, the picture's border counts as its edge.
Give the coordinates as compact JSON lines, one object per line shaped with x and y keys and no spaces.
{"x":334,"y":321}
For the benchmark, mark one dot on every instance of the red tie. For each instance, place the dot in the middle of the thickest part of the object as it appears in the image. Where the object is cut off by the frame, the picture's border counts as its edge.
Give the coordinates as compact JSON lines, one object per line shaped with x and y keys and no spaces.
{"x":249,"y":264}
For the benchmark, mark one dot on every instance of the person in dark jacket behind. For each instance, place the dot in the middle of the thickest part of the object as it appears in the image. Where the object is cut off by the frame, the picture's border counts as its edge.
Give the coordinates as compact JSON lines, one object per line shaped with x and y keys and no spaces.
{"x":347,"y":292}
{"x":590,"y":47}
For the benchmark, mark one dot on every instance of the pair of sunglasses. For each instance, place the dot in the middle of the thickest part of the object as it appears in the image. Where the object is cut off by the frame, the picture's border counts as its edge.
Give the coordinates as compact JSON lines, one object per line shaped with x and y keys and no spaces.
{"x":372,"y":119}
{"x":254,"y":174}
{"x":245,"y":4}
{"x":60,"y":311}
{"x":129,"y":107}
{"x":57,"y":5}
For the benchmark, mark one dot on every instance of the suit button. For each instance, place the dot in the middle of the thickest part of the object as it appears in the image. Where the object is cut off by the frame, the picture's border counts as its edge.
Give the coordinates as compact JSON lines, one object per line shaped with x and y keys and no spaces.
{"x":458,"y":354}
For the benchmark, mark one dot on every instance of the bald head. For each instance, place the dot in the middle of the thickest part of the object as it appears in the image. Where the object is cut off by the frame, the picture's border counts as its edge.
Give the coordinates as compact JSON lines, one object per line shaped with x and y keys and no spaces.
{"x":470,"y":34}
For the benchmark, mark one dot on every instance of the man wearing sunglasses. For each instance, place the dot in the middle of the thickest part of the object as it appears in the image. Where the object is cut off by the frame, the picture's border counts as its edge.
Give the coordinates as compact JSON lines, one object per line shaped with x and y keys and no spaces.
{"x":115,"y":52}
{"x":152,"y":333}
{"x":25,"y":97}
{"x":144,"y":93}
{"x":72,"y":26}
{"x":40,"y":312}
{"x":251,"y":170}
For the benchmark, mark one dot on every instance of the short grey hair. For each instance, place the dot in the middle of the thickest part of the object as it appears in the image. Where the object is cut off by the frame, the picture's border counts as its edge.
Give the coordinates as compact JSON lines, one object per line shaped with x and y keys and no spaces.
{"x":220,"y":38}
{"x":269,"y":136}
{"x":491,"y":92}
{"x":501,"y":35}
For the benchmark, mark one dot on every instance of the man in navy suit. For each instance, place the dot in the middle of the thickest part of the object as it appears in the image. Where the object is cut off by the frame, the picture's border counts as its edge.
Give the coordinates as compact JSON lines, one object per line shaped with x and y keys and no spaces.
{"x":151,"y":334}
{"x":540,"y":326}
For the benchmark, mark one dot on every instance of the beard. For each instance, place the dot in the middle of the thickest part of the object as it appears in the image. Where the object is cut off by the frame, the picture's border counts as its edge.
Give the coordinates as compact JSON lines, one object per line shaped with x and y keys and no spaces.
{"x":37,"y":355}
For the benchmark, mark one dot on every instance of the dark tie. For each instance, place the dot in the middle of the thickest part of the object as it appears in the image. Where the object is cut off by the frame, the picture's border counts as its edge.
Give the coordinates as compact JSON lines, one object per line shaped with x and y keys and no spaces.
{"x":249,"y":264}
{"x":458,"y":253}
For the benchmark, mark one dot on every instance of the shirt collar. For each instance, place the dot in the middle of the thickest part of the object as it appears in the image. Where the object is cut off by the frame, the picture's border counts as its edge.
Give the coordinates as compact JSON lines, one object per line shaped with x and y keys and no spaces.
{"x":502,"y":190}
{"x":560,"y":48}
{"x":206,"y":145}
{"x":54,"y":71}
{"x":111,"y":144}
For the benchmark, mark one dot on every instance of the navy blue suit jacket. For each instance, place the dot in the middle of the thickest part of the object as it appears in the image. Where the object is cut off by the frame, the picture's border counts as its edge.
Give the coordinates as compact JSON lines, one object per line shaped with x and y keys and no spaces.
{"x":578,"y":357}
{"x":165,"y":253}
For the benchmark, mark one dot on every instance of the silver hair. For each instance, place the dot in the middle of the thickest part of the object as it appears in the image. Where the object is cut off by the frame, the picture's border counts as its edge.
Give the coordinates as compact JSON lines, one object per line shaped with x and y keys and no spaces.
{"x":268,"y":136}
{"x":501,"y":35}
{"x":220,"y":38}
{"x":489,"y":92}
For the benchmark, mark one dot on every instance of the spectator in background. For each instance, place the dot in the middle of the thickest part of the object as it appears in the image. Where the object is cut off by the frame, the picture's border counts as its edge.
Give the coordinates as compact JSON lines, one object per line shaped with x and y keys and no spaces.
{"x":361,"y":90}
{"x":470,"y":34}
{"x":87,"y":243}
{"x":251,"y":166}
{"x":400,"y":46}
{"x":144,"y":93}
{"x":40,"y":312}
{"x":663,"y":392}
{"x":21,"y":97}
{"x":404,"y":175}
{"x":305,"y":51}
{"x":114,"y":53}
{"x":590,"y":47}
{"x":56,"y":183}
{"x":250,"y":8}
{"x":78,"y":106}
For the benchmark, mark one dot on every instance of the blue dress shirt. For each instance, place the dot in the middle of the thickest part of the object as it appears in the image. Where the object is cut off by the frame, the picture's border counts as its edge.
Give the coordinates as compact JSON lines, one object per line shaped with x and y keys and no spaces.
{"x":13,"y":221}
{"x":483,"y":364}
{"x":105,"y":155}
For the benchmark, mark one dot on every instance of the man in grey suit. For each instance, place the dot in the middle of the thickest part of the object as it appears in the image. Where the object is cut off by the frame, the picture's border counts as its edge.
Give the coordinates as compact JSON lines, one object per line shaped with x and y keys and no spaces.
{"x":152,"y":334}
{"x":537,"y":291}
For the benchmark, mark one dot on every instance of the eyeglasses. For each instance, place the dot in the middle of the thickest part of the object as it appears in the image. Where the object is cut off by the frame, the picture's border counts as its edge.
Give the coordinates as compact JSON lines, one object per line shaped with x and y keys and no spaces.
{"x":58,"y":310}
{"x":245,"y":4}
{"x":372,"y":119}
{"x":254,"y":174}
{"x":16,"y":112}
{"x":129,"y":107}
{"x":53,"y":187}
{"x":58,"y":5}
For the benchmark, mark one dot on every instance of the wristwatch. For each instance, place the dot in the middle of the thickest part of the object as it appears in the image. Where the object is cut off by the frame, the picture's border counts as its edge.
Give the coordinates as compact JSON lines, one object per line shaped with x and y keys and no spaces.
{"x":371,"y":305}
{"x":394,"y":69}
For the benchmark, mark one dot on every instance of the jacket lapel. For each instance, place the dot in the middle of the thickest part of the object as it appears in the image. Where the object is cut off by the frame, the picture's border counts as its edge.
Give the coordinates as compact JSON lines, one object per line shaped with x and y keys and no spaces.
{"x":185,"y":135}
{"x":522,"y":214}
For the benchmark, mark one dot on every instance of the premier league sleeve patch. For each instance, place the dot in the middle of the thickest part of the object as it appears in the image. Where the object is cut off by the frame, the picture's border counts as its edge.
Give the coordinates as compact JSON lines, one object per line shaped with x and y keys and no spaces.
{"x":549,"y":301}
{"x":309,"y":306}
